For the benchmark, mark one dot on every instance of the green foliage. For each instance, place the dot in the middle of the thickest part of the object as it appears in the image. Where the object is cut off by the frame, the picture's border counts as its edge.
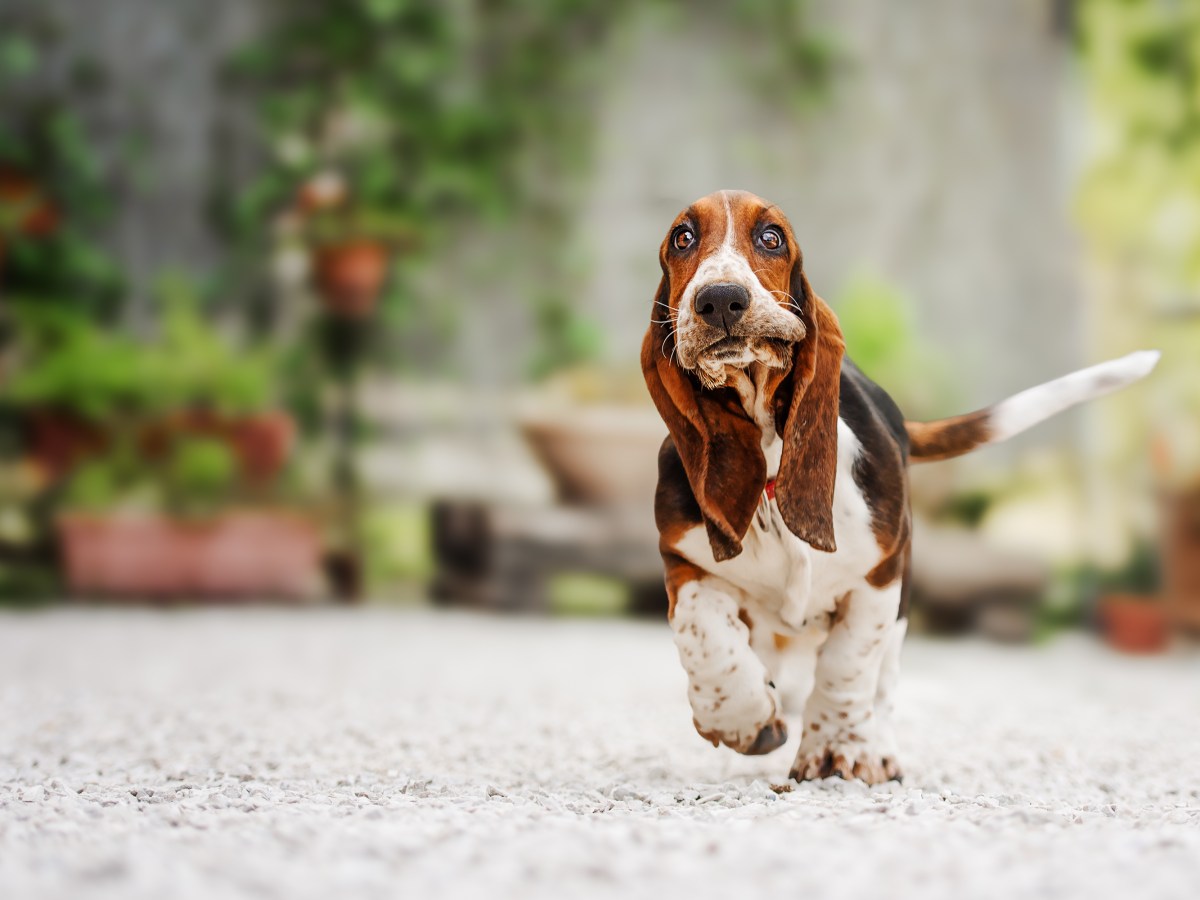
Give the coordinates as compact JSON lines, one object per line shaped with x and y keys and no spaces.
{"x":45,"y":154}
{"x":568,"y":337}
{"x":28,"y":585}
{"x":114,"y":478}
{"x":336,"y":225}
{"x":876,"y":320}
{"x":397,"y":544}
{"x":1141,"y":573}
{"x":94,"y":486}
{"x":1142,"y":190}
{"x":436,"y":112}
{"x":587,"y":594}
{"x":67,"y":362}
{"x":200,"y":476}
{"x":196,"y":366}
{"x":1072,"y":593}
{"x":968,"y":507}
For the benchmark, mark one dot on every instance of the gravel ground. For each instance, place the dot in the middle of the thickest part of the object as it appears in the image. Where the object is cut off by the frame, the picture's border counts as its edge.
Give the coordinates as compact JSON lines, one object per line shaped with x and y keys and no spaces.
{"x":323,"y":753}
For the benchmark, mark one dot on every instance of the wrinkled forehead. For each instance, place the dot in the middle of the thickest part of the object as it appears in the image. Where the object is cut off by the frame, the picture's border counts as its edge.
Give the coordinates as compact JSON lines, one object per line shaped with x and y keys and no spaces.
{"x":717,"y":215}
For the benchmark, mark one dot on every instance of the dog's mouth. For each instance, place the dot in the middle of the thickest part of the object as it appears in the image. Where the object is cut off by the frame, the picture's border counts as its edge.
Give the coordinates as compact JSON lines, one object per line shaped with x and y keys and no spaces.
{"x":737,"y":352}
{"x":765,"y":335}
{"x":730,"y":347}
{"x":734,"y":349}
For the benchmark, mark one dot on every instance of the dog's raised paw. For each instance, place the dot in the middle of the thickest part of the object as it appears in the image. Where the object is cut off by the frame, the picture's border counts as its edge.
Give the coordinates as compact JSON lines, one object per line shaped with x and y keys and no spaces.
{"x":772,"y":737}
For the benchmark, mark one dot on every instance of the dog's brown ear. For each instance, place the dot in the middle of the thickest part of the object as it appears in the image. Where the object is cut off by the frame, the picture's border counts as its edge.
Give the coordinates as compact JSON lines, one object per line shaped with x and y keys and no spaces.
{"x":718,"y":443}
{"x":808,"y":466}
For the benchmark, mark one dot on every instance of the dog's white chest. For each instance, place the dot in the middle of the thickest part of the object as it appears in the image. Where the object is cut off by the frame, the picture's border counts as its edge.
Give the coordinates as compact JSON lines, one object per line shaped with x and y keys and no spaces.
{"x":778,"y":572}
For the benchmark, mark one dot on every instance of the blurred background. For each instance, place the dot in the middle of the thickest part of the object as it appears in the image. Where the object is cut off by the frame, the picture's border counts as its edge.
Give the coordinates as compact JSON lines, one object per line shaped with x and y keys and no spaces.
{"x":341,"y":301}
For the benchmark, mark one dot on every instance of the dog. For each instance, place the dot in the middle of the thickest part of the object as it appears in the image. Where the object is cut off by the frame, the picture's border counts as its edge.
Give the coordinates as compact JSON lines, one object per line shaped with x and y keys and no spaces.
{"x":782,"y":501}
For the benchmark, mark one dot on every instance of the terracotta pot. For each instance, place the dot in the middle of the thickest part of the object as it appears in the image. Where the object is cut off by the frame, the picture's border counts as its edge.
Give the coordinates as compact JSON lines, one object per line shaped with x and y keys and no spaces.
{"x":262,"y":442}
{"x":60,"y":440}
{"x":350,"y":275}
{"x":1134,"y":623}
{"x":41,"y":217}
{"x":246,"y":554}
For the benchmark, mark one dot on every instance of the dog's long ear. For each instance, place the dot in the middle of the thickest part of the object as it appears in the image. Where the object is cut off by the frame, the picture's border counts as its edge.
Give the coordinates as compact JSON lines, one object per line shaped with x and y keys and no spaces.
{"x":808,"y":466}
{"x":719,"y":445}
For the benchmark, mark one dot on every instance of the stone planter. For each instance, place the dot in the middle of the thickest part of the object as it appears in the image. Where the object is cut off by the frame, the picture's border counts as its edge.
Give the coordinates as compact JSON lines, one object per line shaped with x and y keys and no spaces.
{"x":599,"y":455}
{"x":238,"y":555}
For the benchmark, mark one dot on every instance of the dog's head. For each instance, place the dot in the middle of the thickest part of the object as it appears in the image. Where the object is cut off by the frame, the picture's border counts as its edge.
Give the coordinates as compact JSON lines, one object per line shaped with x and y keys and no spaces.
{"x":734,"y":296}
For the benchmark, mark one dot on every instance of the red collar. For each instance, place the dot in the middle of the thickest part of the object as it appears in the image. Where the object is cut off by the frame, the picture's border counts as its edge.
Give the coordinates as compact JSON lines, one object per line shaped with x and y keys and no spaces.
{"x":770,"y":489}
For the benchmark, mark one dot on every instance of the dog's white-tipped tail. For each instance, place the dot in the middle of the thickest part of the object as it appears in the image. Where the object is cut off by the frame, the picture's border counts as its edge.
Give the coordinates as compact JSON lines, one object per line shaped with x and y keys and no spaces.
{"x":947,"y":438}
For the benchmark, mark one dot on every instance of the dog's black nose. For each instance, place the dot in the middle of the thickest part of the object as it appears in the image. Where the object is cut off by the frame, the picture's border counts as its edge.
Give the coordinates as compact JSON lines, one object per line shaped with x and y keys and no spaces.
{"x":721,"y":304}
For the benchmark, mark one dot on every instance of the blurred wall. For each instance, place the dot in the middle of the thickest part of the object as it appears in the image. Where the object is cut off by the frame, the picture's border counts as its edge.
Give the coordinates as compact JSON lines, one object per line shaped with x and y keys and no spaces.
{"x":155,"y":107}
{"x":939,"y":161}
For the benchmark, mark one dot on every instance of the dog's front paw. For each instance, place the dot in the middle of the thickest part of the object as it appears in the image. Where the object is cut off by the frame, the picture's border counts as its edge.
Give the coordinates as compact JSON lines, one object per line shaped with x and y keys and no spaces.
{"x":770,"y":737}
{"x":845,"y":758}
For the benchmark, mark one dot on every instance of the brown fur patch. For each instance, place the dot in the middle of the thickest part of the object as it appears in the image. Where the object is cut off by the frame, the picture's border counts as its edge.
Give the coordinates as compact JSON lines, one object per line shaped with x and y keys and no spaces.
{"x":713,"y":736}
{"x":895,"y":560}
{"x":719,"y":445}
{"x":678,"y":572}
{"x":808,"y":466}
{"x":839,"y":609}
{"x":948,"y":438}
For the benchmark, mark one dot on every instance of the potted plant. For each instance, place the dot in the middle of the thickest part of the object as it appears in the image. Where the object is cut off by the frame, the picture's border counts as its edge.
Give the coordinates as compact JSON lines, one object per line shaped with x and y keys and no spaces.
{"x":75,"y":385}
{"x":55,"y":188}
{"x":1132,"y":615}
{"x":25,"y":211}
{"x":183,"y":527}
{"x":352,"y":250}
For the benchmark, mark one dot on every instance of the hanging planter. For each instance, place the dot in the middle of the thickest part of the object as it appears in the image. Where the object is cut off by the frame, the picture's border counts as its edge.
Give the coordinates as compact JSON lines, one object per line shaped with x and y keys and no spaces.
{"x":24,"y":208}
{"x":352,"y":248}
{"x":25,"y":211}
{"x":350,"y":274}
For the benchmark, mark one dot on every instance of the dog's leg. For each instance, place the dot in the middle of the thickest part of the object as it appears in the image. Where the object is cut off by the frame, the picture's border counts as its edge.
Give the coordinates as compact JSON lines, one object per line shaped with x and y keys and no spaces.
{"x":791,"y":659}
{"x":729,"y":688}
{"x":841,"y":733}
{"x":889,"y":675}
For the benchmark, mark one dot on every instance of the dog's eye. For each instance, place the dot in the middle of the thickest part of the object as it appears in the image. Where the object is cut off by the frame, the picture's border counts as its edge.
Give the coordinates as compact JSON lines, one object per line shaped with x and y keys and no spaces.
{"x":683,"y":238}
{"x":770,"y":239}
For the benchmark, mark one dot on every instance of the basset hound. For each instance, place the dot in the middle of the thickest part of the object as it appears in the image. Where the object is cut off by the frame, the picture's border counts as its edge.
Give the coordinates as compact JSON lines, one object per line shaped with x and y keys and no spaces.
{"x":782,"y":502}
